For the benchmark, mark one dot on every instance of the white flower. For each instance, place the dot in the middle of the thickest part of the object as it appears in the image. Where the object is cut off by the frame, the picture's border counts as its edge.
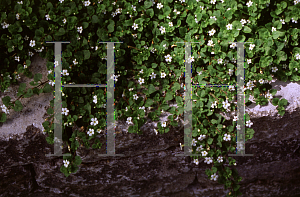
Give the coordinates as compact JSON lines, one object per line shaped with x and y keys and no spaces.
{"x":181,"y":1}
{"x":159,"y":6}
{"x":297,"y":56}
{"x":201,"y":7}
{"x":25,"y":66}
{"x":32,"y":43}
{"x":61,"y":1}
{"x":249,"y":123}
{"x":163,"y":75}
{"x":155,"y":131}
{"x":47,"y":17}
{"x":201,"y":137}
{"x":171,"y":24}
{"x":249,"y":3}
{"x":213,"y":1}
{"x":214,"y":104}
{"x":210,"y":43}
{"x":208,"y":160}
{"x":141,"y":81}
{"x":153,"y":75}
{"x":79,"y":29}
{"x":64,"y":20}
{"x":164,"y":124}
{"x":227,"y":137}
{"x":251,"y":46}
{"x":4,"y":109}
{"x":17,"y":16}
{"x":99,"y":130}
{"x":55,"y":64}
{"x":135,"y":26}
{"x":229,"y":26}
{"x":269,"y":96}
{"x":65,"y":72}
{"x":141,"y":71}
{"x":214,"y":177}
{"x":168,"y":58}
{"x":135,"y":97}
{"x":51,"y":82}
{"x":282,"y":21}
{"x":273,"y":29}
{"x":75,"y":62}
{"x":294,"y":21}
{"x":162,"y":30}
{"x":90,"y":132}
{"x":238,"y":127}
{"x":4,"y":25}
{"x":30,"y":53}
{"x":233,"y":45}
{"x":66,"y":163}
{"x":214,"y":17}
{"x":243,"y":21}
{"x":65,"y":111}
{"x":261,"y":81}
{"x":226,"y":104}
{"x":194,"y":142}
{"x":249,"y":61}
{"x":274,"y":69}
{"x":212,"y":32}
{"x":199,"y":148}
{"x":87,"y":3}
{"x":220,"y":61}
{"x":220,"y":159}
{"x":196,"y":161}
{"x":17,"y":58}
{"x":94,"y":121}
{"x":129,"y":120}
{"x":231,"y":88}
{"x":204,"y":153}
{"x":235,"y":118}
{"x":143,"y":108}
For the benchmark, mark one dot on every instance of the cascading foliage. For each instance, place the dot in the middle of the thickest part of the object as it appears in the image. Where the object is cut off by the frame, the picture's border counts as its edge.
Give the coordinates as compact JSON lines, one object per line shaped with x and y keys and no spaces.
{"x":150,"y":56}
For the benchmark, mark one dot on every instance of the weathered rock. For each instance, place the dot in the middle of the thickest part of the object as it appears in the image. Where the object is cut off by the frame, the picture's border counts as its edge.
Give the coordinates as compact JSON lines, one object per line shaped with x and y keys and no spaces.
{"x":150,"y":167}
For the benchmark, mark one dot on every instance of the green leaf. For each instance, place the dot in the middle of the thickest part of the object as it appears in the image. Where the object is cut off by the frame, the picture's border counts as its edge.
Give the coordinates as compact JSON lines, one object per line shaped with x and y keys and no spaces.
{"x":148,"y":102}
{"x":147,"y":4}
{"x":283,"y":102}
{"x":282,"y":112}
{"x":38,"y":77}
{"x":74,"y":168}
{"x":60,"y":32}
{"x":2,"y":117}
{"x":247,"y":29}
{"x":95,"y":19}
{"x":18,"y":106}
{"x":154,"y":65}
{"x":47,"y":88}
{"x":6,"y":100}
{"x":86,"y":54}
{"x":32,"y":83}
{"x":77,"y":160}
{"x":169,"y":96}
{"x":22,"y":87}
{"x":150,"y":12}
{"x":29,"y":93}
{"x":50,"y":111}
{"x":151,"y":89}
{"x":275,"y":101}
{"x":85,"y":25}
{"x":276,"y":34}
{"x":210,"y":140}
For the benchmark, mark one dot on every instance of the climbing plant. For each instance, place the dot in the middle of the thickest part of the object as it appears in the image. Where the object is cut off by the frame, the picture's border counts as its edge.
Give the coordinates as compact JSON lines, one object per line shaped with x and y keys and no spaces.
{"x":150,"y":31}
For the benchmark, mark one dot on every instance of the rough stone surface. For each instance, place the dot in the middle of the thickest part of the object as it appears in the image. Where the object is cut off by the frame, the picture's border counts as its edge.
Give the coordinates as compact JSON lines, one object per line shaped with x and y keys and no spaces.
{"x":150,"y":167}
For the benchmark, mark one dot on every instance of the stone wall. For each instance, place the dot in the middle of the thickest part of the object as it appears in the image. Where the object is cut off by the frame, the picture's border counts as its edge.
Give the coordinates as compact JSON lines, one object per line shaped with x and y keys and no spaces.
{"x":150,"y":167}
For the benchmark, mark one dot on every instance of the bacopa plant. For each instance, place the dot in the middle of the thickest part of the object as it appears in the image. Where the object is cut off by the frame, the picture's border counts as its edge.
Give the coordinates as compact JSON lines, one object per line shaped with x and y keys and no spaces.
{"x":151,"y":56}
